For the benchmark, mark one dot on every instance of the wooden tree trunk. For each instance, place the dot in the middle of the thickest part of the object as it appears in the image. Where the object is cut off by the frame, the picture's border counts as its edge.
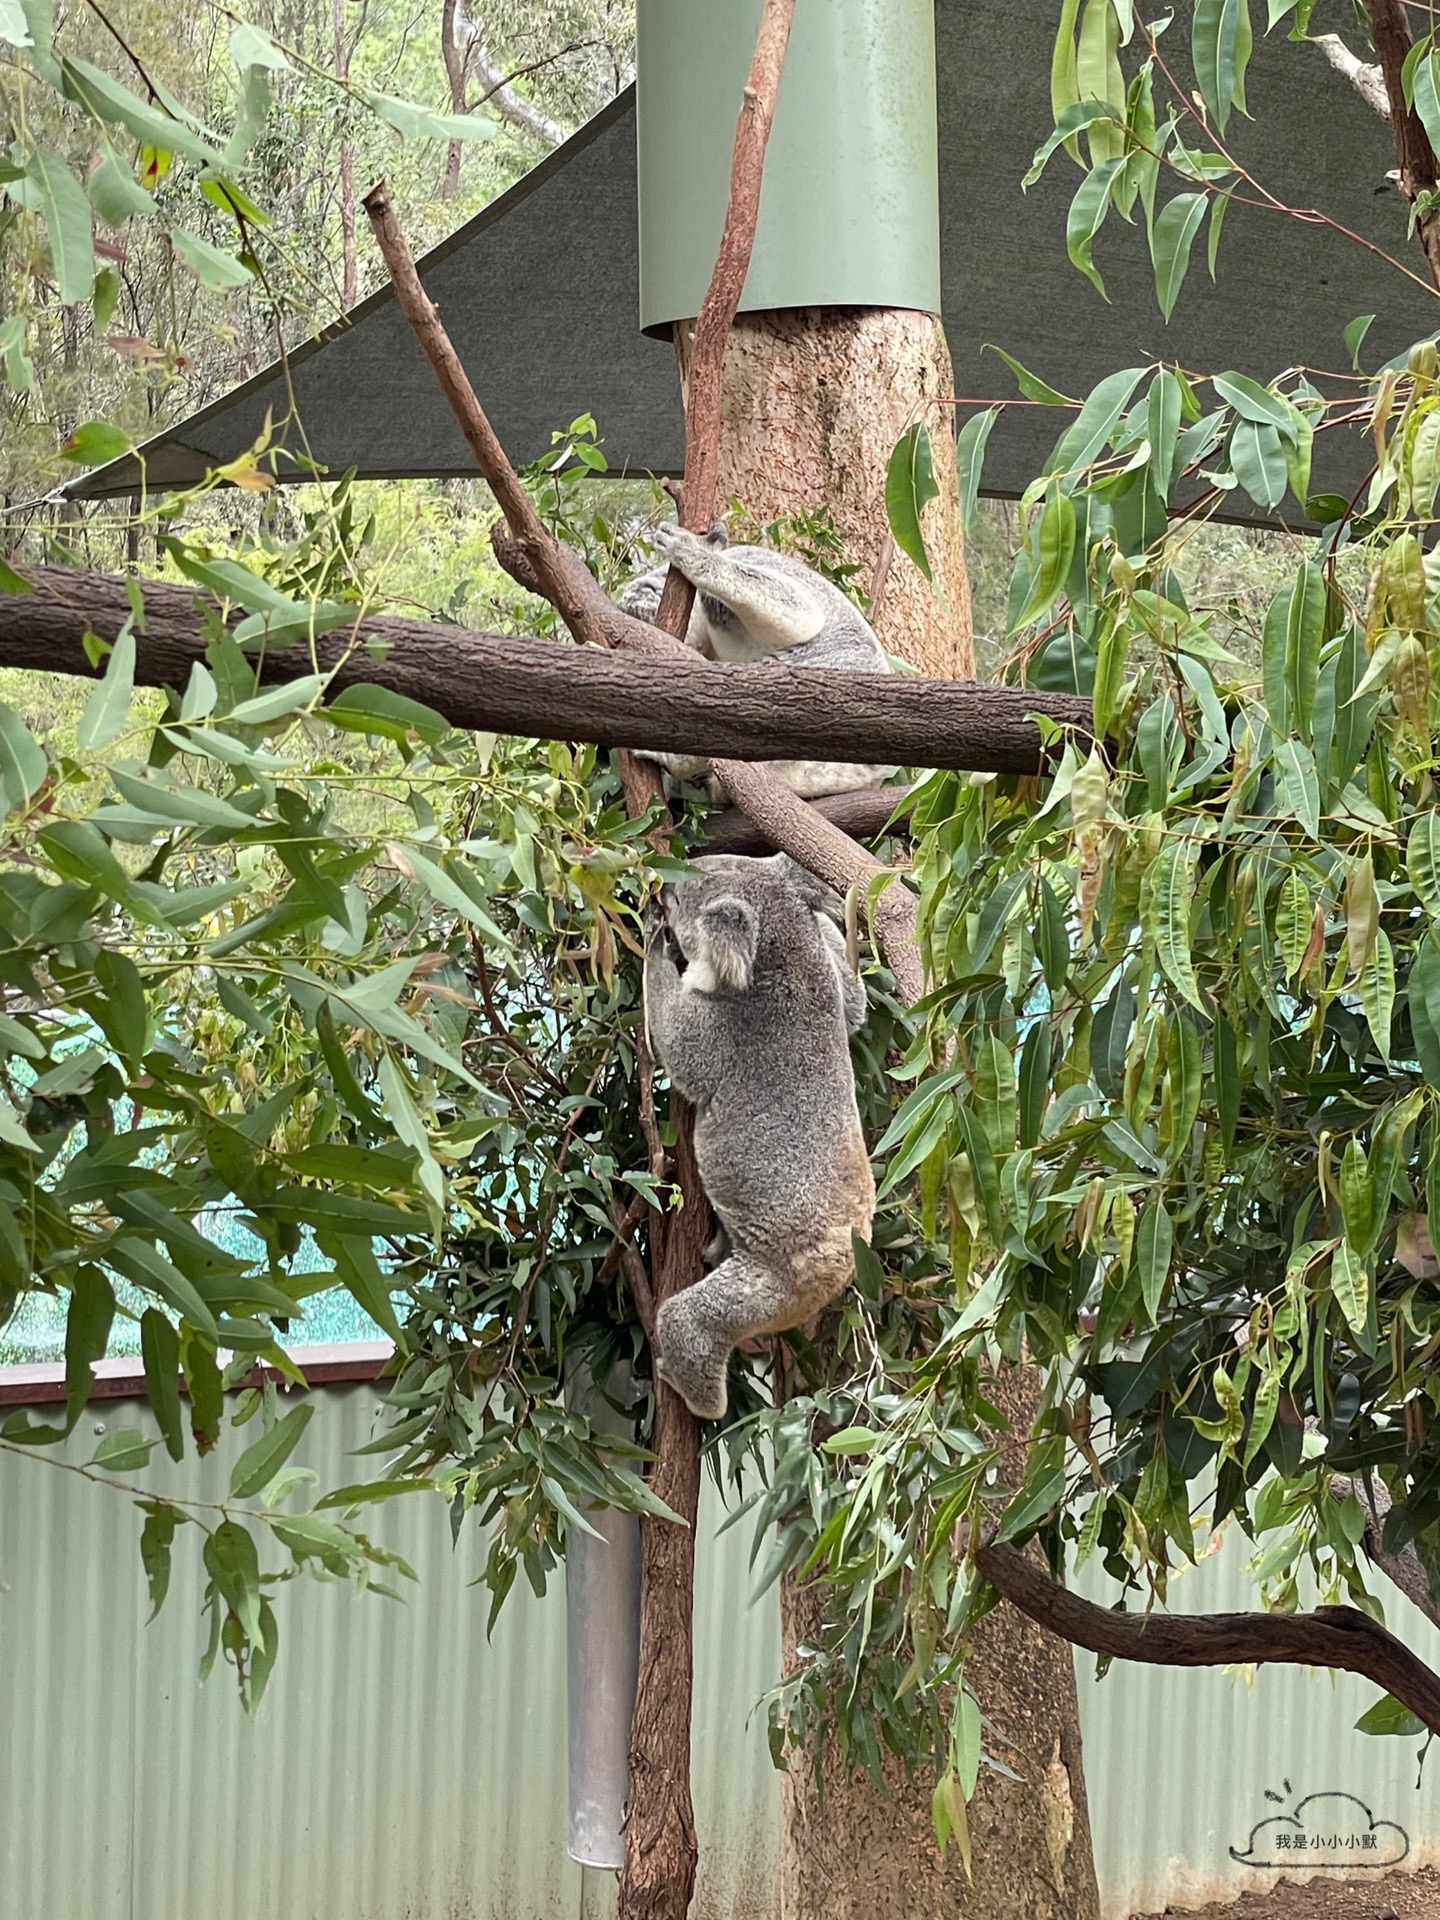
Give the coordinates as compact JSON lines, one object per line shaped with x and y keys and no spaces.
{"x":860,"y":1855}
{"x":814,"y":403}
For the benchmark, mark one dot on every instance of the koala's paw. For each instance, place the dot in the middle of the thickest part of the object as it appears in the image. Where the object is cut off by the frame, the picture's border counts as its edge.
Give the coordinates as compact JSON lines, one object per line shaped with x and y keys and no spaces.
{"x":701,"y":1396}
{"x":679,"y":545}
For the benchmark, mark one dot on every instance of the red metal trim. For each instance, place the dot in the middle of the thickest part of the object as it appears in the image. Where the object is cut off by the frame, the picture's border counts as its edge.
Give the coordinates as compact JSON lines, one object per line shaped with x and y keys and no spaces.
{"x":335,"y":1365}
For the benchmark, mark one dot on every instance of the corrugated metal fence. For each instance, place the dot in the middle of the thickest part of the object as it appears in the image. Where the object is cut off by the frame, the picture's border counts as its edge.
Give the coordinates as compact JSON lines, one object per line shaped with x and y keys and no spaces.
{"x":401,"y":1768}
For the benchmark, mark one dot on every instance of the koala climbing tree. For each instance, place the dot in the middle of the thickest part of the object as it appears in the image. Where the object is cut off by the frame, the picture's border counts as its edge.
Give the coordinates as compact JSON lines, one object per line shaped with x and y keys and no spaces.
{"x":752,"y":603}
{"x":749,"y":1003}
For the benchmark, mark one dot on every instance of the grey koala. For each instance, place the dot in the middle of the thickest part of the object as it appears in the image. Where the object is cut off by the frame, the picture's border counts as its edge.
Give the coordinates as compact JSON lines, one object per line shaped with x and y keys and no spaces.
{"x":752,"y":603}
{"x":749,"y":1004}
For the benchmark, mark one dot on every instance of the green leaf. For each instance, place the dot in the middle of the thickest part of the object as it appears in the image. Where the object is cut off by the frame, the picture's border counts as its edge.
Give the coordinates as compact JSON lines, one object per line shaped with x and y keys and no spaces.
{"x":1163,"y":412}
{"x":1354,"y":337}
{"x":161,"y":1520}
{"x":87,"y":1334}
{"x":359,"y":1271}
{"x":376,"y":710}
{"x":234,"y":1567}
{"x":367,"y":1491}
{"x":1257,"y":460}
{"x":1350,"y":1284}
{"x":1220,"y":48}
{"x":852,"y":1440}
{"x":160,"y":1349}
{"x":210,"y":266}
{"x":116,"y":194}
{"x":910,"y":486}
{"x":1298,"y":785}
{"x":1086,"y":217}
{"x":1170,"y":246}
{"x":418,"y":123}
{"x":23,"y":766}
{"x":1377,"y":992}
{"x":251,"y":46}
{"x":108,"y":100}
{"x":67,"y":221}
{"x":1390,"y":1716}
{"x":1096,"y":421}
{"x":1422,"y":861}
{"x":1054,"y":550}
{"x":260,"y":1463}
{"x":1154,"y":1244}
{"x":1030,"y":384}
{"x":1075,"y":119}
{"x":95,"y":443}
{"x":1425,"y":94}
{"x":970,"y":460}
{"x":124,"y":1451}
{"x":279,"y":701}
{"x":1423,"y":995}
{"x":1173,"y":893}
{"x":108,"y":708}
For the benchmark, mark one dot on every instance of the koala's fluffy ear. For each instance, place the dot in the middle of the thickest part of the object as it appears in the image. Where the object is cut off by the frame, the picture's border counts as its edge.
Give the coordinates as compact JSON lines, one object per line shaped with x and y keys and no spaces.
{"x":729,"y":929}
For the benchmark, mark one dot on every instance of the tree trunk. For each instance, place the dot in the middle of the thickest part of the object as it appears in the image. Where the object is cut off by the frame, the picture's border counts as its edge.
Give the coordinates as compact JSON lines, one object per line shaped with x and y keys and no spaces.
{"x":454,"y":59}
{"x":814,"y":404}
{"x":815,"y":401}
{"x":867,"y":1856}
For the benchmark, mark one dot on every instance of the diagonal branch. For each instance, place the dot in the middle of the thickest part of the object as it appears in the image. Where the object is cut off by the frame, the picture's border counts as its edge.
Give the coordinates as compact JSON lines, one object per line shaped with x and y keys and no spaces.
{"x":1338,"y":1637}
{"x":532,"y":553}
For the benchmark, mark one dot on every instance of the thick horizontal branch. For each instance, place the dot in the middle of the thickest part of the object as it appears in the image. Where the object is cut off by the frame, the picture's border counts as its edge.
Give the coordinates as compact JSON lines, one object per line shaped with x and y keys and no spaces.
{"x":1342,"y":1638}
{"x":547,"y":689}
{"x":862,"y":815}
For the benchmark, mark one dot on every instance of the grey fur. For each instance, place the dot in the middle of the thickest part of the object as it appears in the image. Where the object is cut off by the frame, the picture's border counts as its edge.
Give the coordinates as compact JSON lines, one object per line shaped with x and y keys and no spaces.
{"x":752,"y":603}
{"x":754,"y":1032}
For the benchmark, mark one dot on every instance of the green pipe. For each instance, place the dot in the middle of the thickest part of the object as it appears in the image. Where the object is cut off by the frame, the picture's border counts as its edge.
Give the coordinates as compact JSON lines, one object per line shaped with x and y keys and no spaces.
{"x":849,"y":214}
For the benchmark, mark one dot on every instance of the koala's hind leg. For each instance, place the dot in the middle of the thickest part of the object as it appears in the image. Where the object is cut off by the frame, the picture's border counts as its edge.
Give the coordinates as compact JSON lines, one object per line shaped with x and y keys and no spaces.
{"x":696,"y":1330}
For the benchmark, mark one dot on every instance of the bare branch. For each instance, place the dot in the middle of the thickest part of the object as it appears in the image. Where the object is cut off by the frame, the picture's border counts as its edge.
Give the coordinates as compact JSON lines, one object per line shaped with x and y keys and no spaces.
{"x":699,"y":492}
{"x":1368,"y":80}
{"x":862,"y":815}
{"x":1342,"y":1638}
{"x":508,"y":104}
{"x":546,"y":689}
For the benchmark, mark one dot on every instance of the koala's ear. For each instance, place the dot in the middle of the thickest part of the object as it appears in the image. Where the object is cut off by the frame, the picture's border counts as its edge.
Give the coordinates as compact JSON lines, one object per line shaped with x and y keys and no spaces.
{"x":729,"y":930}
{"x":717,"y":536}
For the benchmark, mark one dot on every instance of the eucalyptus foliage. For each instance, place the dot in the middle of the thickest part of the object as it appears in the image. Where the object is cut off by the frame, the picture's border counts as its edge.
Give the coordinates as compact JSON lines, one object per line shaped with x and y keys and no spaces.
{"x":1173,"y":1109}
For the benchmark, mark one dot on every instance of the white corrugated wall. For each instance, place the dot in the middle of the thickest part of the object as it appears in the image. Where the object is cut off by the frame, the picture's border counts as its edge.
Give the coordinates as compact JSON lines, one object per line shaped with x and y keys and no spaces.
{"x":401,"y":1768}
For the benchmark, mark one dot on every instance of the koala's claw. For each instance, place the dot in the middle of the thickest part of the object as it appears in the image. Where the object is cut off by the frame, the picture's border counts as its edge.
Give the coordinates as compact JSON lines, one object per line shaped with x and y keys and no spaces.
{"x":704,"y":1406}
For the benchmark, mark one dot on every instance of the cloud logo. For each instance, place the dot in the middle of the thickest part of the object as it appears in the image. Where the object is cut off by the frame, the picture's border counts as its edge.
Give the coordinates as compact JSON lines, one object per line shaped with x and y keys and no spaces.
{"x":1325,"y":1830}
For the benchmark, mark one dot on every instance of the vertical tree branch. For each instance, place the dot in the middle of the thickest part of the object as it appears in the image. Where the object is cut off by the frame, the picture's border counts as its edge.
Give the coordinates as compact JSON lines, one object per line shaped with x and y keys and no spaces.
{"x":349,"y":269}
{"x":1414,"y":156}
{"x":696,"y":501}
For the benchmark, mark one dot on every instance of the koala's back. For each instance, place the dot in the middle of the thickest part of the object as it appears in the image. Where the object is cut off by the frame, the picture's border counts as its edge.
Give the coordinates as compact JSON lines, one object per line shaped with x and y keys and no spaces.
{"x":777,"y":1135}
{"x":846,"y":642}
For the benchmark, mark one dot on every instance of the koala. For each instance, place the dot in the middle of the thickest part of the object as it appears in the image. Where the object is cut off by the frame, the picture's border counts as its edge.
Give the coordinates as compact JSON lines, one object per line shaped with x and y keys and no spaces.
{"x":749,"y":1005}
{"x":752,"y":603}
